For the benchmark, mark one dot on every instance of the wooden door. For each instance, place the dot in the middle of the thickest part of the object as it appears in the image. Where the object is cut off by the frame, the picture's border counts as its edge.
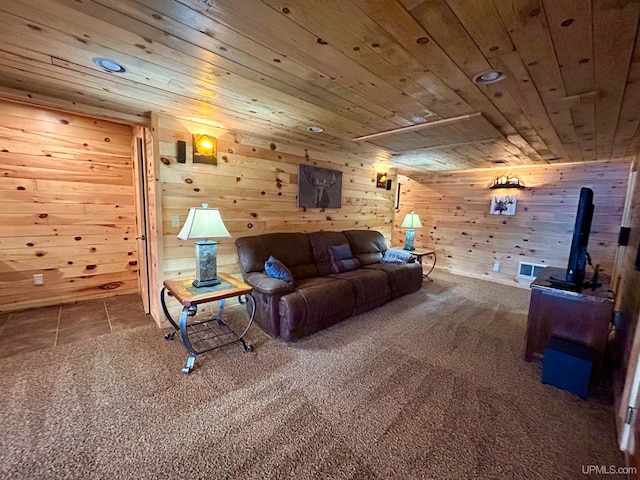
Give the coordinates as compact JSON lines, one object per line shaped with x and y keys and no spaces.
{"x":142,"y":238}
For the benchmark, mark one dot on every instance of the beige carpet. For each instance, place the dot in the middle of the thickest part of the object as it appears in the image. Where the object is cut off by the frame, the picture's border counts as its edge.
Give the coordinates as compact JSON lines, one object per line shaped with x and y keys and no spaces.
{"x":431,"y":385}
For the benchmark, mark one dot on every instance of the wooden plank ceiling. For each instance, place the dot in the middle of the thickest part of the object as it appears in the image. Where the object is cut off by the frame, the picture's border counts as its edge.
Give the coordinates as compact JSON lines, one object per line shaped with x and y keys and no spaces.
{"x":272,"y":68}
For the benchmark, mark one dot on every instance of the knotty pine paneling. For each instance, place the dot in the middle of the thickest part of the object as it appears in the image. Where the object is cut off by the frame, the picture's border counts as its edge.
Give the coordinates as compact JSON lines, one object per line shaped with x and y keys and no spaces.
{"x":66,"y":186}
{"x":255,"y":185}
{"x":627,"y":340}
{"x":454,"y":210}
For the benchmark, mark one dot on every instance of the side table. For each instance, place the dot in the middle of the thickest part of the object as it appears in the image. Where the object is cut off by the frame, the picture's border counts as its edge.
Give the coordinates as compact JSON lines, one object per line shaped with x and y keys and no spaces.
{"x":429,"y":254}
{"x":205,"y":335}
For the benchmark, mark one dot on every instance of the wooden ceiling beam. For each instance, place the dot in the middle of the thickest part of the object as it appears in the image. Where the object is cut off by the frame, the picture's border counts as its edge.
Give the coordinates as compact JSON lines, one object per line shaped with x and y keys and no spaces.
{"x":420,"y":126}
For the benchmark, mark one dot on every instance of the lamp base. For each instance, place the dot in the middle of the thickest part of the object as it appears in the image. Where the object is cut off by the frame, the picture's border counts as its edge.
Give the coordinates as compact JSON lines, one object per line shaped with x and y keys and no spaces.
{"x":408,"y":241}
{"x":205,"y":283}
{"x":206,"y":264}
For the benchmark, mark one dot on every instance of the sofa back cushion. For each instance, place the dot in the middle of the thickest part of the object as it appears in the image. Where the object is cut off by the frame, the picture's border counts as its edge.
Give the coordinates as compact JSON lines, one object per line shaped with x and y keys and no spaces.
{"x":321,"y":242}
{"x":368,"y":246}
{"x":292,"y":249}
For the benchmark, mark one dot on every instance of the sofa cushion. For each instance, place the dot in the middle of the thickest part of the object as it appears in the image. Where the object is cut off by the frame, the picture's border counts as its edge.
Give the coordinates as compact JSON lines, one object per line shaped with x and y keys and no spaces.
{"x":405,"y":278}
{"x":368,"y":246}
{"x":342,"y":259}
{"x":315,"y":306}
{"x":372,"y":288}
{"x":276,"y":269}
{"x":313,"y":282}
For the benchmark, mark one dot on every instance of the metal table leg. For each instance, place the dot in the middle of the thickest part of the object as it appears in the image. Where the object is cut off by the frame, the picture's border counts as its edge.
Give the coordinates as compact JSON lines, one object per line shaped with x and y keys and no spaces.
{"x":430,"y":256}
{"x":189,"y":366}
{"x":247,"y":347}
{"x":200,"y":336}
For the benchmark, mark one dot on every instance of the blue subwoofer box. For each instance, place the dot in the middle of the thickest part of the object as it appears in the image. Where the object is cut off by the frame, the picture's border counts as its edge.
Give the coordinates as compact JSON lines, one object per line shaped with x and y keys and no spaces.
{"x":567,"y":365}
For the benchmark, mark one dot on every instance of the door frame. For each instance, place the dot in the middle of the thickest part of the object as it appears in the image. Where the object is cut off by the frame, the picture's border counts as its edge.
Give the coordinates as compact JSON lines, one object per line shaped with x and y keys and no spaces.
{"x":629,"y":396}
{"x":628,"y":411}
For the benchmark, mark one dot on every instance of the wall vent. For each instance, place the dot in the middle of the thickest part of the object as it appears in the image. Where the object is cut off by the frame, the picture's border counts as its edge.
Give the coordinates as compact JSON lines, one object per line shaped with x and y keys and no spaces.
{"x":530,"y":270}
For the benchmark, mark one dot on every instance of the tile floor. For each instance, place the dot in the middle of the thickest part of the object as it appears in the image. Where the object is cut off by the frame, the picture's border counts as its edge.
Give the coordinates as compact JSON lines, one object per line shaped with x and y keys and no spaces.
{"x":46,"y":327}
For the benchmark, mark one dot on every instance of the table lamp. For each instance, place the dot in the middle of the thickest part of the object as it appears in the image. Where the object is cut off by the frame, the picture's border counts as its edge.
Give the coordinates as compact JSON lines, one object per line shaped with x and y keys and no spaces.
{"x":203,"y":222}
{"x":411,"y":221}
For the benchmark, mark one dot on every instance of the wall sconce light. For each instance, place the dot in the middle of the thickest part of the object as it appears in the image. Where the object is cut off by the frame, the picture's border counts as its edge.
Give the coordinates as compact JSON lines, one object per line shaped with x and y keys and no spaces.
{"x":411,"y":221}
{"x":507,"y":181}
{"x":381,"y":180}
{"x":204,"y":149}
{"x":204,"y":223}
{"x":181,"y":151}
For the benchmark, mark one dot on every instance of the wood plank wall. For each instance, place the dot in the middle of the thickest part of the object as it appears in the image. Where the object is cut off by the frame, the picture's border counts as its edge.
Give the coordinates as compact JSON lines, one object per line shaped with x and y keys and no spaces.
{"x":255,"y":185}
{"x":66,"y":186}
{"x":454,"y":209}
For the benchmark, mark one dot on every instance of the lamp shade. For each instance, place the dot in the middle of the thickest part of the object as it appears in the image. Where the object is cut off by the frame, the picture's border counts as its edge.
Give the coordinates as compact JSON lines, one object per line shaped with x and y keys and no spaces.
{"x":411,"y":220}
{"x":203,"y":222}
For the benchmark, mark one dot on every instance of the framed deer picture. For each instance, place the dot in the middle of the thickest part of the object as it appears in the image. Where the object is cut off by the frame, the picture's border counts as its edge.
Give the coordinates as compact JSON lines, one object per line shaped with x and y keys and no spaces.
{"x":319,"y":187}
{"x":504,"y":204}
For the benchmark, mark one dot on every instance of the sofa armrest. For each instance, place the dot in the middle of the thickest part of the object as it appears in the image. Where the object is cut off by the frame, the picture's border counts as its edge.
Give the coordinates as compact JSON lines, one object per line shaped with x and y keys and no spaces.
{"x":268,"y":285}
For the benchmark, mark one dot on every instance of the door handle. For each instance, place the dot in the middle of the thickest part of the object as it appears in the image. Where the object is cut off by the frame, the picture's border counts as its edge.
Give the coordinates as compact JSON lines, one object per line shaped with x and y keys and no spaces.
{"x":141,"y":237}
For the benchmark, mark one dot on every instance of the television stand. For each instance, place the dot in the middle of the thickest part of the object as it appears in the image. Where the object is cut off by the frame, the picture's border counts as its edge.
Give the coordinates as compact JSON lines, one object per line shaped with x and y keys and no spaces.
{"x":579,"y":316}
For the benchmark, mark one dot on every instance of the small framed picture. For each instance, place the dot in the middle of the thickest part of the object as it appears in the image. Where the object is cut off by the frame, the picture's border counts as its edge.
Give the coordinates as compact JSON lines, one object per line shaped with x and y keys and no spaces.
{"x":503,"y":204}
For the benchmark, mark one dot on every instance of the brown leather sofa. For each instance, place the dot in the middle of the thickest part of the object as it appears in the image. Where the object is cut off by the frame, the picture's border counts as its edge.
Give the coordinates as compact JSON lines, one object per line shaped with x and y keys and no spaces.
{"x":319,"y":298}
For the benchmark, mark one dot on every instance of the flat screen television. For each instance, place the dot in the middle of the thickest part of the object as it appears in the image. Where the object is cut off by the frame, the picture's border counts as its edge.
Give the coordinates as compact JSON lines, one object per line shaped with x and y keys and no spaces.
{"x":578,"y":255}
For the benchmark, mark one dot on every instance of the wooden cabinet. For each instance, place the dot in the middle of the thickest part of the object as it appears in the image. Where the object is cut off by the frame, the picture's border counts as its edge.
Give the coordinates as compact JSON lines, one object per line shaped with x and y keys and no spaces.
{"x":583,"y":317}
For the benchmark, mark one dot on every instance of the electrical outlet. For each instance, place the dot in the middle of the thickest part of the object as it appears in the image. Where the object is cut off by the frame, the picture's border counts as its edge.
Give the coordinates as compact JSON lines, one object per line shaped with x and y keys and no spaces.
{"x":38,"y":279}
{"x":496,"y":267}
{"x":175,"y":221}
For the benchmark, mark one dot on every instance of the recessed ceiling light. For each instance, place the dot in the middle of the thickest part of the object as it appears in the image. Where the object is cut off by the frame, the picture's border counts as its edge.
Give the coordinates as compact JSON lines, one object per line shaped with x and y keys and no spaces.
{"x":490,"y":76}
{"x":109,"y":65}
{"x":315,"y":129}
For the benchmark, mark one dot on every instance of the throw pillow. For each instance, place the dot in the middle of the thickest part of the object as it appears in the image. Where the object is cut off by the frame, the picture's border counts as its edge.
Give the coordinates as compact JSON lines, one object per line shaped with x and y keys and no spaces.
{"x":342,"y":259}
{"x":340,"y":252}
{"x":397,"y":256}
{"x":276,"y":269}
